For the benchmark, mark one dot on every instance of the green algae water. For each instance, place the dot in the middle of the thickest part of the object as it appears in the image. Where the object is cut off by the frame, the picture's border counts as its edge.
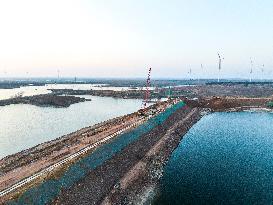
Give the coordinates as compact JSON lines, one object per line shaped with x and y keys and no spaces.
{"x":226,"y":158}
{"x":45,"y":192}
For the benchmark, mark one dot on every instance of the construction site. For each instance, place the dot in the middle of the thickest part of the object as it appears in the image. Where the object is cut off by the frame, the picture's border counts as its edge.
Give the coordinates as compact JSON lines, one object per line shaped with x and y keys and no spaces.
{"x":136,"y":102}
{"x":121,"y":160}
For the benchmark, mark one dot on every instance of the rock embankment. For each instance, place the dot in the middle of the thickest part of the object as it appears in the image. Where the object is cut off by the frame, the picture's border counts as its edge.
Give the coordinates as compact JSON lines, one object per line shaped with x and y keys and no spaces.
{"x":138,"y":185}
{"x":101,"y":181}
{"x":132,"y":174}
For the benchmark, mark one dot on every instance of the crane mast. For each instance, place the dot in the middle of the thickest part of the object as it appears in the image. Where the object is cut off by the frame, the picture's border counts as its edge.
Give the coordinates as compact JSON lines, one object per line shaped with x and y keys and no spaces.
{"x":147,"y":92}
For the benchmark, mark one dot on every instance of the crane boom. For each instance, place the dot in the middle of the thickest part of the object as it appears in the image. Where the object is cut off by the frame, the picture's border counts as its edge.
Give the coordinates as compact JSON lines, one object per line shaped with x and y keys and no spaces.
{"x":147,"y":92}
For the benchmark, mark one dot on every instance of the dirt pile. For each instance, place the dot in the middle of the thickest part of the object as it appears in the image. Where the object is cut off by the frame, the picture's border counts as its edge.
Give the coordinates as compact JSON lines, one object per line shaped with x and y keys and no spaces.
{"x":225,"y":103}
{"x":233,"y":90}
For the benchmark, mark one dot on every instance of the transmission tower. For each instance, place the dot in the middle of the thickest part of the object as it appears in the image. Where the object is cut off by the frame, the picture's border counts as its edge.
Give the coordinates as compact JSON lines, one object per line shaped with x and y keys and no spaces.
{"x":147,"y":92}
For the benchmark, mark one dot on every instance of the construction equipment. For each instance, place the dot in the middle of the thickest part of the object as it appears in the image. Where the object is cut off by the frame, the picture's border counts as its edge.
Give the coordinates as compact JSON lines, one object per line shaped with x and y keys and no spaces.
{"x":147,"y":92}
{"x":169,"y":93}
{"x":144,"y":110}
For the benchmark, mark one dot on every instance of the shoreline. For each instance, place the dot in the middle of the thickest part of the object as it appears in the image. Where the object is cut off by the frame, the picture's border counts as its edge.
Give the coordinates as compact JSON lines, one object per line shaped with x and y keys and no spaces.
{"x":44,"y":100}
{"x":144,"y":172}
{"x":140,"y":183}
{"x":57,"y":97}
{"x":139,"y":186}
{"x":16,"y":167}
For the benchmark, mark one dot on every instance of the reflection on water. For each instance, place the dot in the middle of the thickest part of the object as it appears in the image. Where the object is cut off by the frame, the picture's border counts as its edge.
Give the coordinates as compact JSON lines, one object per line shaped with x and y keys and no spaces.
{"x":226,"y":158}
{"x":25,"y":91}
{"x":24,"y":126}
{"x":36,"y":90}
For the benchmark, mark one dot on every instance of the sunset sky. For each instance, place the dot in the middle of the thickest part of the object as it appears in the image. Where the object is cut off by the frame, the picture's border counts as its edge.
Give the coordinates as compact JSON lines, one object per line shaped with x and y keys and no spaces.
{"x":122,"y":38}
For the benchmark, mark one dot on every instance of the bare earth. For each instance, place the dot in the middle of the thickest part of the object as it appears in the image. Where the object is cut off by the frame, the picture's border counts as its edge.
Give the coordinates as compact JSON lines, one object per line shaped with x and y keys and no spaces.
{"x":132,"y":175}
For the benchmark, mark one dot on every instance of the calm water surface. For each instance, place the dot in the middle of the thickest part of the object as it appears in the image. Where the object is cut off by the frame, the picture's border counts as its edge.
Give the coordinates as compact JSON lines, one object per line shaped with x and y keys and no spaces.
{"x":37,"y":90}
{"x":24,"y":126}
{"x":226,"y":158}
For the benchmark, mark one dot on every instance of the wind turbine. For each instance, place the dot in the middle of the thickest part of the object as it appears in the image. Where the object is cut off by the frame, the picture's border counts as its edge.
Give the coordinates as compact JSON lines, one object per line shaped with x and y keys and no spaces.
{"x":219,"y":66}
{"x":251,"y":70}
{"x":262,"y":69}
{"x":28,"y":76}
{"x":189,"y":73}
{"x":201,"y":70}
{"x":58,"y":74}
{"x":5,"y":74}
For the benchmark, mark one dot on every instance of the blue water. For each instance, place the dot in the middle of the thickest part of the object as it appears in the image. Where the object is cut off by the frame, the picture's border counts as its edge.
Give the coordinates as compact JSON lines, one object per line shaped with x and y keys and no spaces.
{"x":48,"y":190}
{"x":226,"y":158}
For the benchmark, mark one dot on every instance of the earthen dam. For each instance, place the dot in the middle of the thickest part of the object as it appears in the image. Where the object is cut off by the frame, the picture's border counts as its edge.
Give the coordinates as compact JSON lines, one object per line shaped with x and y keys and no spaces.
{"x":118,"y":161}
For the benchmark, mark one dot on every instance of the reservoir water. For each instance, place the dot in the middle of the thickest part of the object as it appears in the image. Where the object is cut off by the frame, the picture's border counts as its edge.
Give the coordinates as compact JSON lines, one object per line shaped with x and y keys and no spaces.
{"x":37,"y":90}
{"x":24,"y":126}
{"x":226,"y":158}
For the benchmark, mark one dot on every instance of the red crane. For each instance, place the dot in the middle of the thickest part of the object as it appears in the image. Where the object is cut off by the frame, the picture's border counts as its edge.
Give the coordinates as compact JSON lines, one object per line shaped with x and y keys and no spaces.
{"x":147,"y":93}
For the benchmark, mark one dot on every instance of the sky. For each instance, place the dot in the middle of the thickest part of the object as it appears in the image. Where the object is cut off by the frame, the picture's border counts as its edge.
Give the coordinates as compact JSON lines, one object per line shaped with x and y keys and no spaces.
{"x":123,"y":38}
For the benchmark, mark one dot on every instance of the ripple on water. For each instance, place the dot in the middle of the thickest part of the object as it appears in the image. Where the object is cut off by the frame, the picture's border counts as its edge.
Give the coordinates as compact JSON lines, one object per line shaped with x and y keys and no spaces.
{"x":226,"y":158}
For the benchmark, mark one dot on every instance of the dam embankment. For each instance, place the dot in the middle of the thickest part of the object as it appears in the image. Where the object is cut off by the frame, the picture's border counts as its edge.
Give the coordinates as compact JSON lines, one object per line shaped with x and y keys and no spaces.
{"x":95,"y":175}
{"x":225,"y":158}
{"x":128,"y":168}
